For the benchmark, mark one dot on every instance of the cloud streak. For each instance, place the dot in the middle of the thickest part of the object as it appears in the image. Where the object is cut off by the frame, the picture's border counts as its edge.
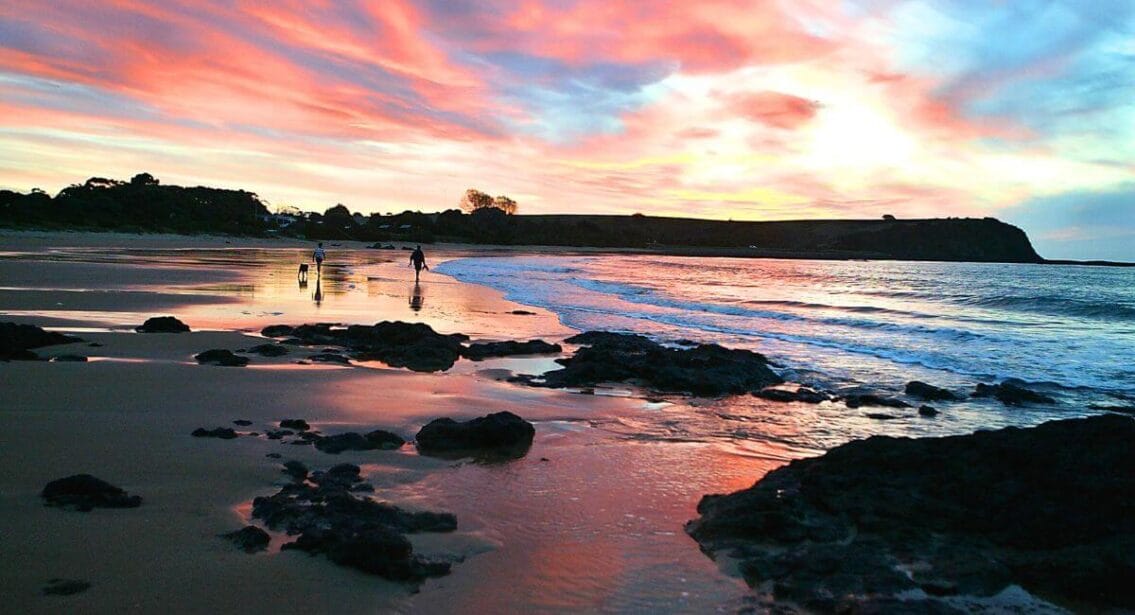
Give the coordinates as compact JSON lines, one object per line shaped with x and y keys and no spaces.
{"x":724,"y":108}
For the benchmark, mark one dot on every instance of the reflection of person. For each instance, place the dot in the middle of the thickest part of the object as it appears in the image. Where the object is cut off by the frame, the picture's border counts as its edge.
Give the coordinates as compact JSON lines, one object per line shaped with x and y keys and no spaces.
{"x":418,"y":260}
{"x":416,"y":298}
{"x":318,"y":257}
{"x":318,"y":296}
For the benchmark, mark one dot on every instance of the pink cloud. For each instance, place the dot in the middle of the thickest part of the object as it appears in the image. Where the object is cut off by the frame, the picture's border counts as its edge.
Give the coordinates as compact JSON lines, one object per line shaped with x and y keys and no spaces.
{"x":774,"y":108}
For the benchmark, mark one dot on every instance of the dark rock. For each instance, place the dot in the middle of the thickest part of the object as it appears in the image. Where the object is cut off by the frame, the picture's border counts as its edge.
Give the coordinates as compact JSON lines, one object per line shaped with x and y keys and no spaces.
{"x":352,"y":441}
{"x":95,"y":345}
{"x":352,"y":531}
{"x":881,"y":417}
{"x":162,"y":324}
{"x":273,"y":455}
{"x":224,"y":433}
{"x":222,"y":357}
{"x":16,"y":341}
{"x":857,"y":400}
{"x":277,"y":331}
{"x":269,"y":350}
{"x":802,"y":395}
{"x":84,"y":492}
{"x":977,"y":512}
{"x":522,"y":313}
{"x":277,"y":434}
{"x":69,"y":358}
{"x":65,"y":587}
{"x":1011,"y":394}
{"x":249,"y":539}
{"x":242,"y":422}
{"x":477,"y":352}
{"x":330,"y":357}
{"x":929,"y":392}
{"x":927,"y":411}
{"x":296,"y":424}
{"x":398,"y":344}
{"x":501,"y":432}
{"x":707,"y":369}
{"x":296,"y":469}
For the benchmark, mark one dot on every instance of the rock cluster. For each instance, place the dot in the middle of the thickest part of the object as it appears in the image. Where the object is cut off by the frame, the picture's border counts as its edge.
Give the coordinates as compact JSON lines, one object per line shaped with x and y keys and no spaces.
{"x":502,"y":433}
{"x":706,"y":369}
{"x":1011,"y":394}
{"x":223,"y":433}
{"x":162,"y":324}
{"x":222,"y":357}
{"x":415,"y":346}
{"x":1049,"y":508}
{"x":16,"y":341}
{"x":249,"y":539}
{"x":351,"y":441}
{"x":84,"y":492}
{"x":354,"y":531}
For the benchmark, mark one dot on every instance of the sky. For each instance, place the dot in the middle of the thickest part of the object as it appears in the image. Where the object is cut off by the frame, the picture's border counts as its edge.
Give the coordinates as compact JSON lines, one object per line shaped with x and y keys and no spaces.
{"x":726,"y":109}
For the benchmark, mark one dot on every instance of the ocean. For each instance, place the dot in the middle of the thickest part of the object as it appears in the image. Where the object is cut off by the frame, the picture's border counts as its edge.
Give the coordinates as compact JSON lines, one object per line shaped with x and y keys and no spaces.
{"x":839,"y":325}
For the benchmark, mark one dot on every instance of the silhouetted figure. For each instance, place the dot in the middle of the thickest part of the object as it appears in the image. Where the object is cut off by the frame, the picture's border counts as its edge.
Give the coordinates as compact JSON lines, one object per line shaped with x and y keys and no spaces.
{"x":301,"y":275}
{"x":318,"y":257}
{"x":418,"y":260}
{"x":416,"y":298}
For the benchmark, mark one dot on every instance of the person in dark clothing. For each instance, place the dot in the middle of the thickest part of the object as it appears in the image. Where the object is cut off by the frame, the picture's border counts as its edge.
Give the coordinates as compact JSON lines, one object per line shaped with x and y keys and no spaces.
{"x":418,"y":260}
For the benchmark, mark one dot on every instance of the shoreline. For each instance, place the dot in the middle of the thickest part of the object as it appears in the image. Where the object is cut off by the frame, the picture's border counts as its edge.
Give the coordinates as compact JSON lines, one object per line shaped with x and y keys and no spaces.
{"x":76,"y":238}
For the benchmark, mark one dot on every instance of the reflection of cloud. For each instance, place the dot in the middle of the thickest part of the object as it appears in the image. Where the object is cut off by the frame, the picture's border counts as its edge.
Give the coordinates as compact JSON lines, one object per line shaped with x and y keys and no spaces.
{"x":793,"y":109}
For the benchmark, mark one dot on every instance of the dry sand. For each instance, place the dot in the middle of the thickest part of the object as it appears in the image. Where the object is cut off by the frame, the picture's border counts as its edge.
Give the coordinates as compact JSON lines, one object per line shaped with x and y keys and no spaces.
{"x":586,"y":521}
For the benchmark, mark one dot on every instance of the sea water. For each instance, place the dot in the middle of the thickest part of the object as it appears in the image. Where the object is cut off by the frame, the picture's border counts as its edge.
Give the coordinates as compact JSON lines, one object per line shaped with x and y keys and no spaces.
{"x":1066,"y":330}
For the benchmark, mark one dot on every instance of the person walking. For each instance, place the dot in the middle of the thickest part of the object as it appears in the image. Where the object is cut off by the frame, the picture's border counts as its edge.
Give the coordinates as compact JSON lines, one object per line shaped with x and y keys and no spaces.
{"x":318,"y":257}
{"x":418,"y":260}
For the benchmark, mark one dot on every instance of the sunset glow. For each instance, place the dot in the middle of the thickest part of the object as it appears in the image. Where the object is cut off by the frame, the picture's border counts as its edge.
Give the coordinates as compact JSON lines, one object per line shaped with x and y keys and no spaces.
{"x":735,"y":109}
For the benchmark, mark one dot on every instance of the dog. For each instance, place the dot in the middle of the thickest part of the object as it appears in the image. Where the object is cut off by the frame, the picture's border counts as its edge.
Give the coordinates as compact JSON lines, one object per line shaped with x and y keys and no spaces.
{"x":302,"y":274}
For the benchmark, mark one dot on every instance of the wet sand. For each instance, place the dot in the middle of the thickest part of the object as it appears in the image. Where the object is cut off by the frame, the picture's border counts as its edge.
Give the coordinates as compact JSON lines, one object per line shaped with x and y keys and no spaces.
{"x":597,"y":526}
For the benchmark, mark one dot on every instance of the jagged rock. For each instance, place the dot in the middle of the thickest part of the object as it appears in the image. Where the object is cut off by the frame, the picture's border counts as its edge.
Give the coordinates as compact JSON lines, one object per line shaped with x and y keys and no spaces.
{"x":249,"y":539}
{"x":224,"y":433}
{"x":802,"y":395}
{"x":1011,"y":394}
{"x":162,"y":324}
{"x":927,"y":411}
{"x":84,"y":492}
{"x":1048,"y":508}
{"x":16,"y":341}
{"x":296,"y":424}
{"x":349,"y":530}
{"x":277,"y":331}
{"x":857,"y":400}
{"x":222,"y":357}
{"x":351,"y":441}
{"x":502,"y":433}
{"x":707,"y":369}
{"x":296,"y":469}
{"x":330,"y":357}
{"x":269,"y":350}
{"x":478,"y":352}
{"x":65,"y":587}
{"x":929,"y":392}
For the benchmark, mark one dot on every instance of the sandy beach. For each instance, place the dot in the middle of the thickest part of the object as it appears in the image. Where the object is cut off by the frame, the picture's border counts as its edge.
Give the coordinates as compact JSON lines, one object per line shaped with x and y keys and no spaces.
{"x":588,"y":520}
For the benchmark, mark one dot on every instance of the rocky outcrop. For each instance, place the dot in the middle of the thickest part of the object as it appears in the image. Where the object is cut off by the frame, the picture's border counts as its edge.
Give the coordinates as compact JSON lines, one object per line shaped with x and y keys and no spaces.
{"x":929,"y":392}
{"x":351,"y":441}
{"x":16,"y":341}
{"x":485,"y":350}
{"x":249,"y":539}
{"x":1011,"y":394}
{"x":162,"y":324}
{"x":84,"y":492}
{"x":858,"y":400}
{"x":269,"y":350}
{"x":222,"y":433}
{"x":1051,"y":508}
{"x":706,"y":369}
{"x":802,"y":395}
{"x":222,"y":357}
{"x":502,"y":433}
{"x":329,"y":519}
{"x":296,"y":424}
{"x":415,"y":346}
